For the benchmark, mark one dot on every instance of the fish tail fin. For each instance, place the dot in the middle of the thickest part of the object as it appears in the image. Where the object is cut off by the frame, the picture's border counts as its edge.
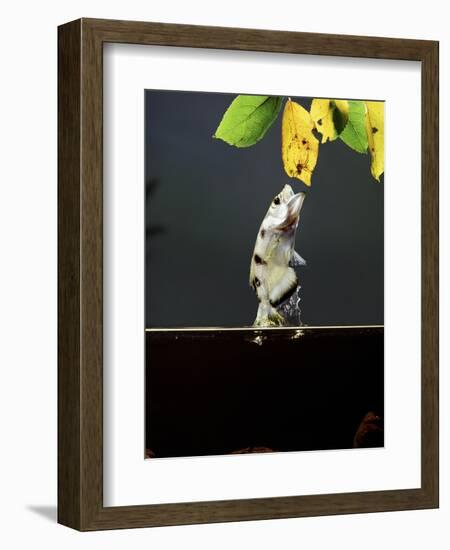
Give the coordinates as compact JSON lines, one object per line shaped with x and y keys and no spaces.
{"x":268,"y":316}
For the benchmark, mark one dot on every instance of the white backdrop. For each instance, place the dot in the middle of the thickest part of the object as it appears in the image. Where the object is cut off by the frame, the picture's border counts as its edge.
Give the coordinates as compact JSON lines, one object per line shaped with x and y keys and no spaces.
{"x":128,"y":70}
{"x":28,"y":277}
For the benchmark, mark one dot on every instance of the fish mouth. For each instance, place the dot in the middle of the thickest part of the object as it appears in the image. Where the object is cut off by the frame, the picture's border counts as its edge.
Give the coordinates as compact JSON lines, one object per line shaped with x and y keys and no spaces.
{"x":294,"y":205}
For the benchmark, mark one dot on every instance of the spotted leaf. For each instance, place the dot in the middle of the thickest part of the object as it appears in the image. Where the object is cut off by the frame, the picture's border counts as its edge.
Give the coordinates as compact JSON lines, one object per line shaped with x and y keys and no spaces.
{"x":330,"y":117}
{"x":375,"y":136}
{"x":299,"y":146}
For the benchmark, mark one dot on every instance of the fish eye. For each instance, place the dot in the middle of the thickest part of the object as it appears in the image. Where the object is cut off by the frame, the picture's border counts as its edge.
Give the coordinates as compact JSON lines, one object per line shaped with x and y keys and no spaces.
{"x":276,"y":200}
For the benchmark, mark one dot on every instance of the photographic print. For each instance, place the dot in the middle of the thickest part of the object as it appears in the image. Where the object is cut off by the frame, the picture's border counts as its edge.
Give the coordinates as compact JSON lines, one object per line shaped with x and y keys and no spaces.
{"x":264,"y":273}
{"x":226,"y":269}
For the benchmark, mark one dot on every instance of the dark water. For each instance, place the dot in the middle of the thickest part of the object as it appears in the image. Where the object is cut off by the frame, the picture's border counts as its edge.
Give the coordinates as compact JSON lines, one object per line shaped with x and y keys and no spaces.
{"x":219,"y":392}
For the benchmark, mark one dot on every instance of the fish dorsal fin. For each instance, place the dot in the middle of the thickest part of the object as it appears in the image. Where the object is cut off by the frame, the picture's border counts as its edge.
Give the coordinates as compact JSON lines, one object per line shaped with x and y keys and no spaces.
{"x":281,"y":282}
{"x":297,"y":260}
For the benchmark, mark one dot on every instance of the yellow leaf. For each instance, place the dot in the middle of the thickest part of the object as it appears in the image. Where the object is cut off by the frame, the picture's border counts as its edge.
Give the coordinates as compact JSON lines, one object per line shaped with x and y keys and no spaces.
{"x":299,"y":146}
{"x":329,"y":116}
{"x":342,"y":105}
{"x":322,"y":115}
{"x":375,"y":136}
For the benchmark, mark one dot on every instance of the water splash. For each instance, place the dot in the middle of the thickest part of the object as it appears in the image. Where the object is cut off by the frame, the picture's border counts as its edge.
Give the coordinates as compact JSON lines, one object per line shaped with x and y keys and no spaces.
{"x":290,"y":309}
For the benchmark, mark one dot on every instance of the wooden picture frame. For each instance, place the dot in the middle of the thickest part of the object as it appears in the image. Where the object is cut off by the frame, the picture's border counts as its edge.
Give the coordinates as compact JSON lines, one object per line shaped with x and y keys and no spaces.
{"x":80,"y":271}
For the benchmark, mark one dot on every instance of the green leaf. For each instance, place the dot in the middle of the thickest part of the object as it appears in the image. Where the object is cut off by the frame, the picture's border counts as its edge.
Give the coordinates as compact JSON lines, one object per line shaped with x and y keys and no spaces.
{"x":247,"y":119}
{"x":354,"y":134}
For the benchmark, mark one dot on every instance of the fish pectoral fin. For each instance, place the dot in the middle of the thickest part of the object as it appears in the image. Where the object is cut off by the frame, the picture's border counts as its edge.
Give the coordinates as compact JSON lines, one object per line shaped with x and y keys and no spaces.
{"x":252,"y":274}
{"x":282,"y":283}
{"x":297,"y":260}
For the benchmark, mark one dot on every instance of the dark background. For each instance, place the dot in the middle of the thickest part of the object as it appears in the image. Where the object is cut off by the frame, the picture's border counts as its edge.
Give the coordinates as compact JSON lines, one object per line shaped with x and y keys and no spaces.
{"x":206,"y":200}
